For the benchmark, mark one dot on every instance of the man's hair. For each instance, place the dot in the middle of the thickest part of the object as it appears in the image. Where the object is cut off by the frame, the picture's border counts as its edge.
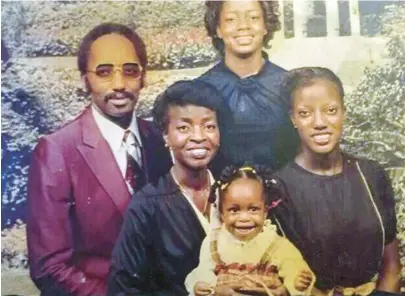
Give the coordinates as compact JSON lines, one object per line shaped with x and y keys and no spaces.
{"x":306,"y":76}
{"x":186,"y":92}
{"x":106,"y":29}
{"x":212,"y":18}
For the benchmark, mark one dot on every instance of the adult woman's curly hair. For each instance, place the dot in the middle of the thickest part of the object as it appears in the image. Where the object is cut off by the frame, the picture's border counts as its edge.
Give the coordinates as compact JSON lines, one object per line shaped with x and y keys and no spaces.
{"x":270,"y":16}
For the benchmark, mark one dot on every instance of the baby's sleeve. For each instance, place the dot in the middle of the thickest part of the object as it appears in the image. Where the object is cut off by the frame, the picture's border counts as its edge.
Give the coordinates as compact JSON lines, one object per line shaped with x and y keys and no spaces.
{"x":204,"y":272}
{"x":290,"y":263}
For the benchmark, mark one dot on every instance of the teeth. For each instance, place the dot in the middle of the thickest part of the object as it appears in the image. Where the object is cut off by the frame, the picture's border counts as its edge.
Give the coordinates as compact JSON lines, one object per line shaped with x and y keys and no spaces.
{"x":121,"y":101}
{"x":322,"y":139}
{"x":199,"y":153}
{"x":244,"y":230}
{"x":244,"y":39}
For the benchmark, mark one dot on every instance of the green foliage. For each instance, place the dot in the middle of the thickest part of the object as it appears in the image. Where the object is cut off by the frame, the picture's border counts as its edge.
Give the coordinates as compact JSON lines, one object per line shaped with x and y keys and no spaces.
{"x":176,"y":14}
{"x":175,"y":48}
{"x":174,"y":39}
{"x":288,"y":18}
{"x":376,"y":115}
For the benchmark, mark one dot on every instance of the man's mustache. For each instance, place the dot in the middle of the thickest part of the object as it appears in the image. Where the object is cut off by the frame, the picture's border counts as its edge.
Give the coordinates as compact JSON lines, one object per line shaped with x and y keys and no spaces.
{"x":120,"y":95}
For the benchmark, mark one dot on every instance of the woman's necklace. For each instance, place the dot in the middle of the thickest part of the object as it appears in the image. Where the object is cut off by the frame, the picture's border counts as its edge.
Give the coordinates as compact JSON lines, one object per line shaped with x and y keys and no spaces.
{"x":200,"y":197}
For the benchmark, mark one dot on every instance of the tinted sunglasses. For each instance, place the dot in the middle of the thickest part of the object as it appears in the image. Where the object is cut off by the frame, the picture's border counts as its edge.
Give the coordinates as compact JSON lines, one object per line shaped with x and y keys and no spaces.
{"x":128,"y":70}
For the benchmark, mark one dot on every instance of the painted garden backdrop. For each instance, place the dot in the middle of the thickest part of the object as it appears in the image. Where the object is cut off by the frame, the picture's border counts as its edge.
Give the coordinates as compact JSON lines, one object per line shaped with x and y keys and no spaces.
{"x":363,"y":41}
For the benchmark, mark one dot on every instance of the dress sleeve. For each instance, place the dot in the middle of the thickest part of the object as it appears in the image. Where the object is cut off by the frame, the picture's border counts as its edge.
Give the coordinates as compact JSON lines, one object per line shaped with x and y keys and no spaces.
{"x":290,"y":263}
{"x":131,"y":267}
{"x":386,"y":196}
{"x":204,"y":272}
{"x":49,"y":226}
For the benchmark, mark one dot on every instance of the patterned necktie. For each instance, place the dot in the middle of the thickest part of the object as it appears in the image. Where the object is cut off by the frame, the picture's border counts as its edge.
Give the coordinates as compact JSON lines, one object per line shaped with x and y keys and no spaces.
{"x":134,"y":176}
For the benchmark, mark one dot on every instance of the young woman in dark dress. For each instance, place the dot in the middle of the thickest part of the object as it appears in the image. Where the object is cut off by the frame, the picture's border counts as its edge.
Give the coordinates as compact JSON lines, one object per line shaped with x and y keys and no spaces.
{"x":345,"y":209}
{"x":259,"y":129}
{"x":166,"y":222}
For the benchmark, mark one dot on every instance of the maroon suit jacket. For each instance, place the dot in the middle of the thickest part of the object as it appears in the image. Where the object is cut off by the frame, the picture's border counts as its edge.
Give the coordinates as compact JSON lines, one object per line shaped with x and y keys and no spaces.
{"x":76,"y":201}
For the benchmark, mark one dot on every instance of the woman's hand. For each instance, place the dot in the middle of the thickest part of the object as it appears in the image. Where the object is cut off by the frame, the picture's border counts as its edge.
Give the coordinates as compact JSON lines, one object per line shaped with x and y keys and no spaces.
{"x":280,"y":291}
{"x":389,"y":276}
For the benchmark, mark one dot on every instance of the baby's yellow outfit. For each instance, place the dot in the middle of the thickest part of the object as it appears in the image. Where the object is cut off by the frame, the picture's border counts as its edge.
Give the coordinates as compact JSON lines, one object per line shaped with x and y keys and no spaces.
{"x":265,"y":255}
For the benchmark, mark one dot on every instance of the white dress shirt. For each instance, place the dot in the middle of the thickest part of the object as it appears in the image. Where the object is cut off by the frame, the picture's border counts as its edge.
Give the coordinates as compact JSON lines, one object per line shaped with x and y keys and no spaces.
{"x":114,"y":135}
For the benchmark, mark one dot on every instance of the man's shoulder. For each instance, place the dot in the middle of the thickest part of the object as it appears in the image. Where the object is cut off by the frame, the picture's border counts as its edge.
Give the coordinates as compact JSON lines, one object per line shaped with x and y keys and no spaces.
{"x":69,"y":132}
{"x":145,"y":123}
{"x":146,"y":126}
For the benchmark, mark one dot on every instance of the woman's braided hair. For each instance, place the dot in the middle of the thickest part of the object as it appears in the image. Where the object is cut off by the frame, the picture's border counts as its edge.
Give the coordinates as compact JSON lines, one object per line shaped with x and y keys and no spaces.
{"x":273,"y":187}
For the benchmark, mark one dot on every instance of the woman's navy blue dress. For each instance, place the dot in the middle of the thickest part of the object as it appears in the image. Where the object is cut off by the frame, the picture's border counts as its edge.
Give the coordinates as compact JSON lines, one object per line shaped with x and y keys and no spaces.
{"x":258,"y":129}
{"x":159,"y":243}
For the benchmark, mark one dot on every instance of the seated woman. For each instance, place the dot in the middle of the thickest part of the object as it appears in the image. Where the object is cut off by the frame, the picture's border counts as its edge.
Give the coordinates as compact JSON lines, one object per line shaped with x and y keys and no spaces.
{"x":246,"y":254}
{"x":166,"y":222}
{"x":345,"y":209}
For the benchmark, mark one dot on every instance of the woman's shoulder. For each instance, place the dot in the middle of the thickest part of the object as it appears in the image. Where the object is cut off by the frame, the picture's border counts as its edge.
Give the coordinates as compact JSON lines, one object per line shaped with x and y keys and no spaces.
{"x":217,"y":70}
{"x":365,"y":162}
{"x":274,"y":69}
{"x":153,"y":193}
{"x":369,"y":167}
{"x":286,"y":171}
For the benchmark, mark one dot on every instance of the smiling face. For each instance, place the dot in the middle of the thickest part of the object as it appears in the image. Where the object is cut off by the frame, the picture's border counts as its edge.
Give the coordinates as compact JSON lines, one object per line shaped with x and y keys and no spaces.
{"x":242,"y":28}
{"x":192,"y":135}
{"x":115,"y":96}
{"x":243,"y":209}
{"x":318,"y":113}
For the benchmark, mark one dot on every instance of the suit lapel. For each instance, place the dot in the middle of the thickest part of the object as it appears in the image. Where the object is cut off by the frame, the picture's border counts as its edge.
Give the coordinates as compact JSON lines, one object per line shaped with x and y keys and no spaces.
{"x":100,"y":159}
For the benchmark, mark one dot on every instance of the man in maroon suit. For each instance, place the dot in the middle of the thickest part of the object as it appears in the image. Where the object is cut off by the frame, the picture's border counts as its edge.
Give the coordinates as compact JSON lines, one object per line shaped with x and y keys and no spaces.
{"x":82,"y":176}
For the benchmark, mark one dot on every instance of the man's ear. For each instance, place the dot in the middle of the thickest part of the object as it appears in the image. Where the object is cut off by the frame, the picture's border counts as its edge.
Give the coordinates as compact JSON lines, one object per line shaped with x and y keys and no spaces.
{"x":143,"y":81}
{"x":86,"y":83}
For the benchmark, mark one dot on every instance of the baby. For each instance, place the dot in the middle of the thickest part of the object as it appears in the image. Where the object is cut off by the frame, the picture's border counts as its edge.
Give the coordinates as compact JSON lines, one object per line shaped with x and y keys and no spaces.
{"x":246,"y":254}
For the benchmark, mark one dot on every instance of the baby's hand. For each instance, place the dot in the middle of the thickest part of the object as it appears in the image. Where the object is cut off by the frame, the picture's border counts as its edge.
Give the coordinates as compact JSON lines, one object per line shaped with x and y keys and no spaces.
{"x":228,"y":290}
{"x":303,"y":280}
{"x":203,"y":289}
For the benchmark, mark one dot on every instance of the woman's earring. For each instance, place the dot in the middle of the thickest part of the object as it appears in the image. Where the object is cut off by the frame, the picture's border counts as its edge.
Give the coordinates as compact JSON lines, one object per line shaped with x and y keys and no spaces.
{"x":171,"y":153}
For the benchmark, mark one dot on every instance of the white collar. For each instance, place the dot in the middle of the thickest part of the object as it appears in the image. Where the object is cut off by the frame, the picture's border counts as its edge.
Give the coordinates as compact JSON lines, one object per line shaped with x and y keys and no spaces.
{"x":112,"y":132}
{"x":214,"y":214}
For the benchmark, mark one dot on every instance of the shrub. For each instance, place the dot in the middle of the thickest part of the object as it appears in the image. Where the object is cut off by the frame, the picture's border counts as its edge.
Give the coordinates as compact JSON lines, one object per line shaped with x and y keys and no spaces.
{"x":175,"y":48}
{"x":376,"y":115}
{"x":175,"y":39}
